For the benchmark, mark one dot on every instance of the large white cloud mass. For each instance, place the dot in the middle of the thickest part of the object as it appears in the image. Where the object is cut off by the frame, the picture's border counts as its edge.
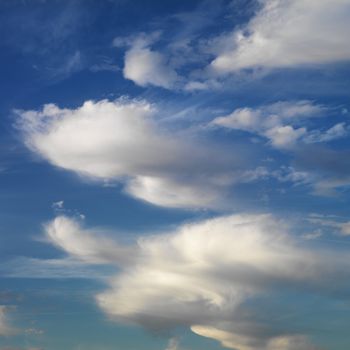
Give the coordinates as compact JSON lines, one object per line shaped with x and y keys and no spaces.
{"x":204,"y":275}
{"x":121,"y":140}
{"x":287,"y":33}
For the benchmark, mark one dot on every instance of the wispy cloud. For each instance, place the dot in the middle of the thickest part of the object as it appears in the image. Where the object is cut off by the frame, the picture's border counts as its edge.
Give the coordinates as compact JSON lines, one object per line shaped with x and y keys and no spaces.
{"x":329,"y":168}
{"x":27,"y":268}
{"x":341,"y":227}
{"x":173,"y":344}
{"x":5,"y":328}
{"x":281,"y":123}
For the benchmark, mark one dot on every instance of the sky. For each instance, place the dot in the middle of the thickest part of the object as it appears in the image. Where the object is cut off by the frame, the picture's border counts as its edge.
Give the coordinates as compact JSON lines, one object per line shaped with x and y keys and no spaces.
{"x":174,"y":175}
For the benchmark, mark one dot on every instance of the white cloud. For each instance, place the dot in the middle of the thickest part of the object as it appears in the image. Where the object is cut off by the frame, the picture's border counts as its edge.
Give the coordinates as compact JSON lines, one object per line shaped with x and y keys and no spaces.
{"x":122,"y":141}
{"x":196,"y":86}
{"x":241,"y":342}
{"x":270,"y":115}
{"x":342,"y":227}
{"x":145,"y":66}
{"x":330,"y":187}
{"x":193,"y":85}
{"x":289,"y":174}
{"x":275,"y":114}
{"x":284,"y":136}
{"x":168,"y":193}
{"x":201,"y":275}
{"x":87,"y":139}
{"x":67,"y":235}
{"x":275,"y":122}
{"x":126,"y":141}
{"x":242,"y":119}
{"x":282,"y":174}
{"x":287,"y":34}
{"x":254,"y":174}
{"x":59,"y":205}
{"x":337,"y":131}
{"x":313,"y":235}
{"x":282,"y":33}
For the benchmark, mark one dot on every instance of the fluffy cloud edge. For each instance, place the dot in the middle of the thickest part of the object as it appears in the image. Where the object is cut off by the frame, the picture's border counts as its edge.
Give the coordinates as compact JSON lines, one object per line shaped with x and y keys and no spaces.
{"x":288,"y":34}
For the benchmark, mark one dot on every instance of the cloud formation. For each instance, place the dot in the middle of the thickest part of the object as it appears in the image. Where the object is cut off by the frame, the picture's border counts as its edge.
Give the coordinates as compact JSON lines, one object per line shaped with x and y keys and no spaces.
{"x":122,"y":141}
{"x":145,"y":66}
{"x":342,"y":228}
{"x":288,"y":34}
{"x":280,"y":123}
{"x":204,"y":275}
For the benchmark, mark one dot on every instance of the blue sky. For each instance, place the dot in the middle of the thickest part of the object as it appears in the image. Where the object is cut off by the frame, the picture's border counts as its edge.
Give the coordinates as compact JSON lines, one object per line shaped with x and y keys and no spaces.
{"x":174,"y":175}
